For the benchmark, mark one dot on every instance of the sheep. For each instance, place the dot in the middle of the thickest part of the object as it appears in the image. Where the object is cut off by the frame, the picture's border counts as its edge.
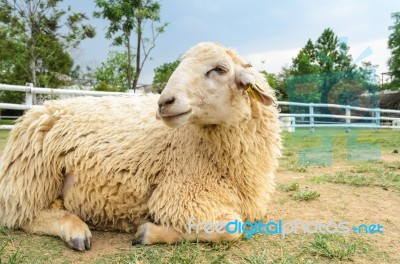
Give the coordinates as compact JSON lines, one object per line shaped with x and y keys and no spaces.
{"x":208,"y":151}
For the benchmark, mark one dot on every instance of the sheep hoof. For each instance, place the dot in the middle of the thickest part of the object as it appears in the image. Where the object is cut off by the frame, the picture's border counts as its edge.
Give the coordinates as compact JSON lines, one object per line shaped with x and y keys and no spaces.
{"x":139,"y":237}
{"x":79,"y":243}
{"x":76,"y":233}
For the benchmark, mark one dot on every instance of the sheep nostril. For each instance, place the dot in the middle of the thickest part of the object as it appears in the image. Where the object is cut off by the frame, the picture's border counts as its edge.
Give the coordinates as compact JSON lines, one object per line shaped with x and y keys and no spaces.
{"x":170,"y":101}
{"x":166,"y":102}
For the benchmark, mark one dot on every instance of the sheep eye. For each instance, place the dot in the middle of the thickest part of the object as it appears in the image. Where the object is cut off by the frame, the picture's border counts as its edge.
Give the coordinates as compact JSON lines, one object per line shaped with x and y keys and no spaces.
{"x":220,"y":70}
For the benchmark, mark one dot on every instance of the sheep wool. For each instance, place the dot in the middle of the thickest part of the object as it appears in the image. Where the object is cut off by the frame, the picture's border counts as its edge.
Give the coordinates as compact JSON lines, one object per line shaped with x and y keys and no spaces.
{"x":125,"y":166}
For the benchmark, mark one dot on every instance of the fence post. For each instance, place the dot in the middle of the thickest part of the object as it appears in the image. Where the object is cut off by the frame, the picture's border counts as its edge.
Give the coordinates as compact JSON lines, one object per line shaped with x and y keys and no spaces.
{"x":311,"y":112}
{"x":29,"y":95}
{"x":378,"y":117}
{"x":348,"y":120}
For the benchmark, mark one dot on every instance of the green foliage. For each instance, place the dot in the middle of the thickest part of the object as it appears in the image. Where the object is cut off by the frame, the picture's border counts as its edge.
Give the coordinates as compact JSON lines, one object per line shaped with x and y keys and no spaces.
{"x":278,"y":83}
{"x":121,"y":14}
{"x":322,"y":73}
{"x":305,"y":62}
{"x":288,"y":187}
{"x":393,"y":85}
{"x":344,"y":178}
{"x":332,"y":247}
{"x":332,"y":54}
{"x":104,"y":87}
{"x":394,"y":46}
{"x":112,"y":75}
{"x":305,"y":195}
{"x":162,"y":74}
{"x":128,"y":18}
{"x":387,"y":177}
{"x":34,"y":39}
{"x":327,"y":55}
{"x":11,"y":97}
{"x":270,"y":78}
{"x":12,"y":55}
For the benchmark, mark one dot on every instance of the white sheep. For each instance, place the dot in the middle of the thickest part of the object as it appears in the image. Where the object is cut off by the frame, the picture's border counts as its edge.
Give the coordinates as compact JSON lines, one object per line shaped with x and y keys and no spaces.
{"x":108,"y":162}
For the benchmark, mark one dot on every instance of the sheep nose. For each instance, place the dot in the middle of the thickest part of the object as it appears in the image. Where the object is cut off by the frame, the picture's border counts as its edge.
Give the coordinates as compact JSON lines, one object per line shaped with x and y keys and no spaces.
{"x":166,"y":102}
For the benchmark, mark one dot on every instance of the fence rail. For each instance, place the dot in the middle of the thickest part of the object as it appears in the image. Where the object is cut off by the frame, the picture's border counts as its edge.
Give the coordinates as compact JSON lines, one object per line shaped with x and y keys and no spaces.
{"x":288,"y":119}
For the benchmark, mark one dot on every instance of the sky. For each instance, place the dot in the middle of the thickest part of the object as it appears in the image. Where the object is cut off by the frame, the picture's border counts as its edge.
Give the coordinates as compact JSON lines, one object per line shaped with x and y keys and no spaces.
{"x":266,"y":33}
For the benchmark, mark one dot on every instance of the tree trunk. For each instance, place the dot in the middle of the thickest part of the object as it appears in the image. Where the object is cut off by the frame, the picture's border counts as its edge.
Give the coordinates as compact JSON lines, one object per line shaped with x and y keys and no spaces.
{"x":32,"y":44}
{"x":33,"y":62}
{"x":138,"y":46}
{"x":33,"y":72}
{"x":135,"y":81}
{"x":128,"y":44}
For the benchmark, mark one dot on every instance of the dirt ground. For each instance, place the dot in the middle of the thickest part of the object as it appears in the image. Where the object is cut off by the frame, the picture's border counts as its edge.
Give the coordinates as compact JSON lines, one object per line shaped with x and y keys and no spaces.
{"x":357,"y":205}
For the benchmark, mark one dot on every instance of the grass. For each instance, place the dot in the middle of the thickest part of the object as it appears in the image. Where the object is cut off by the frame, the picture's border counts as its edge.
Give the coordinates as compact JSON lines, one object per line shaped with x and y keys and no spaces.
{"x":12,"y":257}
{"x":344,"y":178}
{"x":7,"y":122}
{"x":305,"y":195}
{"x":288,"y":187}
{"x":333,"y":247}
{"x":300,"y":194}
{"x":386,"y":175}
{"x":327,"y":146}
{"x":181,"y":253}
{"x":3,"y":138}
{"x":324,"y":150}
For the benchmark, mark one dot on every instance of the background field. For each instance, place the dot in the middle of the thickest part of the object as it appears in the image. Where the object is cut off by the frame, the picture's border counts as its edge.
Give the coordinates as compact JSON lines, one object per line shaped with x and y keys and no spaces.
{"x":337,"y":187}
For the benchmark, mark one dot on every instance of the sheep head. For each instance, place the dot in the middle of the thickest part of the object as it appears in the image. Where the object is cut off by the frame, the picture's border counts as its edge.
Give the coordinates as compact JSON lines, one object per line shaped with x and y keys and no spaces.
{"x":212,"y":86}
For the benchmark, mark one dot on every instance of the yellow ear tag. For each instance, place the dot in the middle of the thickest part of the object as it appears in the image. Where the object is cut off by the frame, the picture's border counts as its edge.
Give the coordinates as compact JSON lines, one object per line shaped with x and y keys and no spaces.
{"x":251,"y":91}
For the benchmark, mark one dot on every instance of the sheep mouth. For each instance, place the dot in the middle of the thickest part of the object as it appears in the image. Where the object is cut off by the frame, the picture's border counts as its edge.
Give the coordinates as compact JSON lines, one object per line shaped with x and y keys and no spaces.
{"x":173,"y":116}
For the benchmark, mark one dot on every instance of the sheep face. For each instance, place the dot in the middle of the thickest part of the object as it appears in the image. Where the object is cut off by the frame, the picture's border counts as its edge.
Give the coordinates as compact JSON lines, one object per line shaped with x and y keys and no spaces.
{"x":209,"y":88}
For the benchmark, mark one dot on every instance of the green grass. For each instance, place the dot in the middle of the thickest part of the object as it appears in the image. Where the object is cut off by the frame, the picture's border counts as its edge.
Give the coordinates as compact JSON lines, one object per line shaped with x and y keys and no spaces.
{"x":305,"y":195}
{"x":327,"y":146}
{"x":7,"y":122}
{"x":299,"y":194}
{"x":344,"y":178}
{"x":181,"y":253}
{"x":333,"y":247}
{"x":288,"y":187}
{"x":377,"y":174}
{"x":20,"y":247}
{"x":257,"y":258}
{"x":3,"y":138}
{"x":260,"y":249}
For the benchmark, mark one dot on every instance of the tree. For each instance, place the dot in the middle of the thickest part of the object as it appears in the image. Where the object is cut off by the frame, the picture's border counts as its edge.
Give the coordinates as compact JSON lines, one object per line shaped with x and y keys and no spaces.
{"x":332,"y":57}
{"x":328,"y":51}
{"x":306,"y":61}
{"x":394,"y":46}
{"x":316,"y":67}
{"x":112,"y":75}
{"x":162,"y":74}
{"x":277,"y":82}
{"x":322,"y":72}
{"x":282,"y":77}
{"x":11,"y":72}
{"x":42,"y":38}
{"x":127,"y":18}
{"x":327,"y":55}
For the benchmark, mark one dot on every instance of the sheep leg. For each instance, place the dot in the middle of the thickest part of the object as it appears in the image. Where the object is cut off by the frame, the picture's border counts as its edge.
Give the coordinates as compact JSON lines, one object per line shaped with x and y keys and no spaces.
{"x":61,"y":223}
{"x":149,"y":233}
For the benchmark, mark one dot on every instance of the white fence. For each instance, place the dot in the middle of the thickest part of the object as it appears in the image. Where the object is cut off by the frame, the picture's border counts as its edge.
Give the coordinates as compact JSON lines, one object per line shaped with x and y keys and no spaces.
{"x":373,"y":117}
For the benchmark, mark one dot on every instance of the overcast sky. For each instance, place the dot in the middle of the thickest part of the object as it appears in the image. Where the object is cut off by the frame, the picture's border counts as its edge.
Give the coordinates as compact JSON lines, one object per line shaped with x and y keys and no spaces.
{"x":265,"y":32}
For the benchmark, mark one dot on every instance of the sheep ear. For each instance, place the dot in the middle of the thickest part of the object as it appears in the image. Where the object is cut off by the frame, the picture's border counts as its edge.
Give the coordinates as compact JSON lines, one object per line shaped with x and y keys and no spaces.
{"x":255,"y":86}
